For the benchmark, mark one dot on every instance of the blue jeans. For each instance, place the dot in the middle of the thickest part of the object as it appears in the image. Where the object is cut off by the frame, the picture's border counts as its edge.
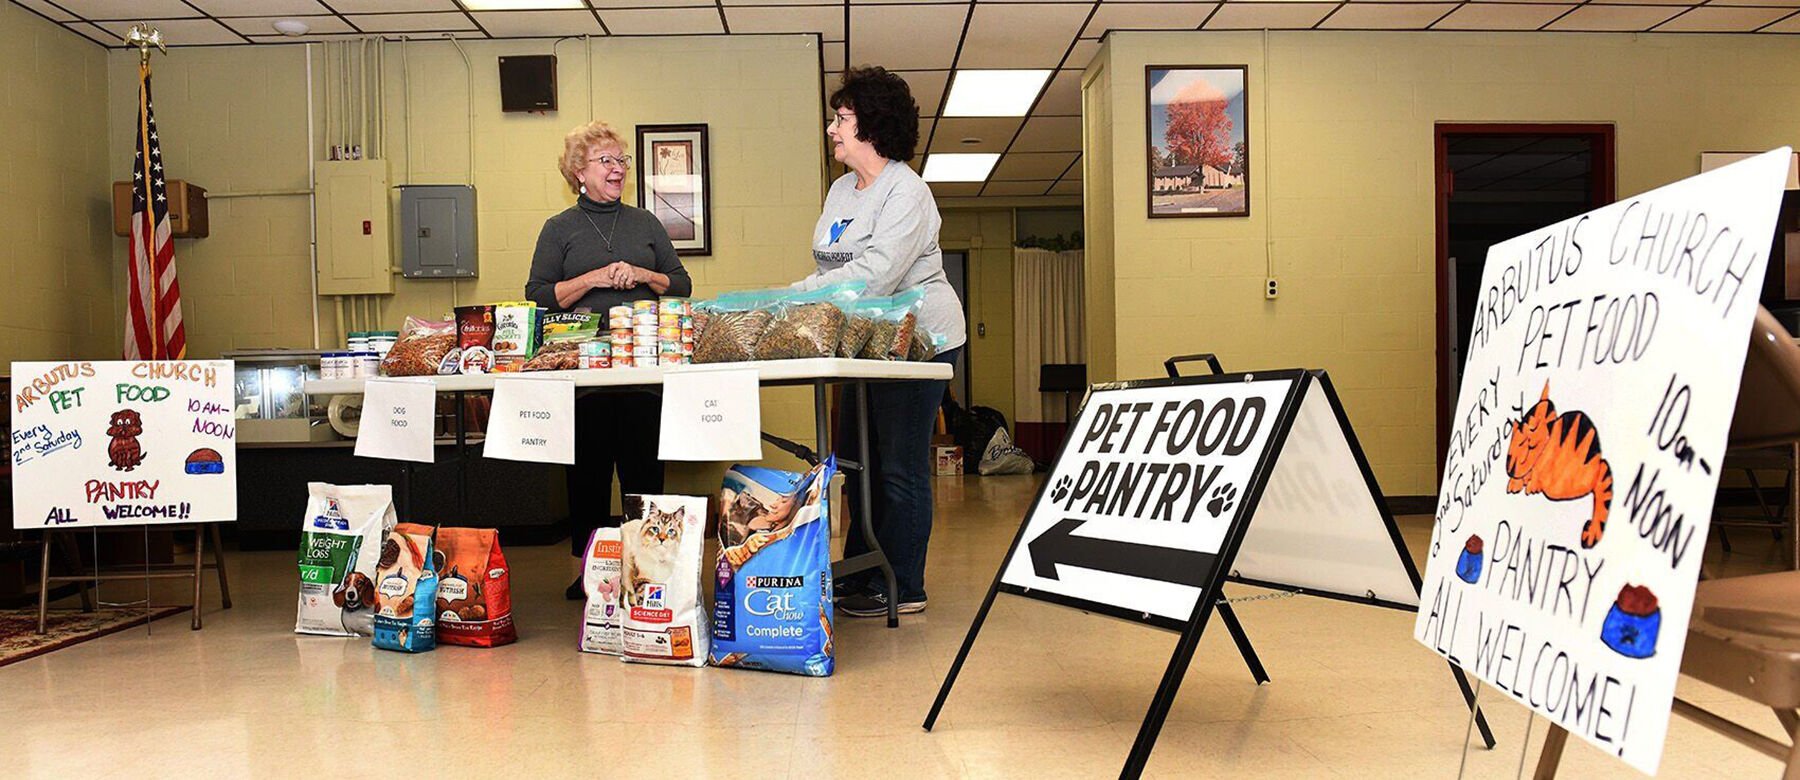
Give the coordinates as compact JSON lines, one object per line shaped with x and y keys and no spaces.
{"x":902,"y":417}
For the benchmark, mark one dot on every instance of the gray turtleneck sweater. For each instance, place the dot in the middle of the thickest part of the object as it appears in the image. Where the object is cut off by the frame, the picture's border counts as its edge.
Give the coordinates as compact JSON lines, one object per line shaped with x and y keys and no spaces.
{"x":573,"y":243}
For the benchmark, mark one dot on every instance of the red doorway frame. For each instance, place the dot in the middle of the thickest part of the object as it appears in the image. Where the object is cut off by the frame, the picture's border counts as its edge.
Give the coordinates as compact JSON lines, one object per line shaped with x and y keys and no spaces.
{"x":1605,"y":192}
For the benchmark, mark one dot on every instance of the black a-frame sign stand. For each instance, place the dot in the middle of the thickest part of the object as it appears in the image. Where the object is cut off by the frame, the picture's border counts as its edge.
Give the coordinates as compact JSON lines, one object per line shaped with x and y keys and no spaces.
{"x":1210,"y":572}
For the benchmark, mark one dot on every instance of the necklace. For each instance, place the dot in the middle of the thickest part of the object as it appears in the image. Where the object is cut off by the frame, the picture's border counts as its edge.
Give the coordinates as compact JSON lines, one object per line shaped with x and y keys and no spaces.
{"x":604,"y":237}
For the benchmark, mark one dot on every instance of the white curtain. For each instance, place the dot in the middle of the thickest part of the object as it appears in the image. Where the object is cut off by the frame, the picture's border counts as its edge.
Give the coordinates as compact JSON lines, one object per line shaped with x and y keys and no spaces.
{"x":1047,"y":326}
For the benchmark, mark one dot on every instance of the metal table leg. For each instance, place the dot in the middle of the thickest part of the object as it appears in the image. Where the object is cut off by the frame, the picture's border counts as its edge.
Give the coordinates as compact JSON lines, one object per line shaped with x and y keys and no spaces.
{"x":462,"y":458}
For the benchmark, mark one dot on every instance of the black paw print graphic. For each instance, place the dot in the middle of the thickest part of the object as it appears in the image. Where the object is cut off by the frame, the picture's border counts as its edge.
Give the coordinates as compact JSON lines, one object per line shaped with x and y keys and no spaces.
{"x":1062,"y":489}
{"x":1224,"y":498}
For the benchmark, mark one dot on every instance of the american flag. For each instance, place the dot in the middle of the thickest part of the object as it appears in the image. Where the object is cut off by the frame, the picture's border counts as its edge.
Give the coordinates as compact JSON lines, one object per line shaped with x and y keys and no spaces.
{"x":153,"y":330}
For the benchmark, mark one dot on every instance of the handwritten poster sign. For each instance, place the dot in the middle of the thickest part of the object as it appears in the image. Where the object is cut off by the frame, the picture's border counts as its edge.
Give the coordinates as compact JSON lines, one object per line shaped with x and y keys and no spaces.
{"x":398,"y":418}
{"x":1137,"y":509}
{"x":711,"y":414}
{"x":533,"y":420}
{"x":1585,"y":451}
{"x":123,"y":443}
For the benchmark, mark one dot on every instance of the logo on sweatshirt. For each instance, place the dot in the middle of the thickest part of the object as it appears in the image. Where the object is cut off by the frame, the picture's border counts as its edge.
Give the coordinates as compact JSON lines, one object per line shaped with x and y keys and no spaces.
{"x":838,"y":228}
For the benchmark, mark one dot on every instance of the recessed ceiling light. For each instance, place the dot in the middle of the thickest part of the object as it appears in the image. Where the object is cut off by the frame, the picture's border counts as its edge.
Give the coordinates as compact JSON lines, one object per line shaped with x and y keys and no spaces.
{"x":959,"y":167}
{"x":520,"y":5}
{"x":290,"y":27}
{"x":994,"y":92}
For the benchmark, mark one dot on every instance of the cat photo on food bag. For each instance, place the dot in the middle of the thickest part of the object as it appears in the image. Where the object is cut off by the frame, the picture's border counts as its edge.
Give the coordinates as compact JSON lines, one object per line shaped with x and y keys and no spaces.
{"x":655,"y":552}
{"x":772,"y":604}
{"x":662,"y":542}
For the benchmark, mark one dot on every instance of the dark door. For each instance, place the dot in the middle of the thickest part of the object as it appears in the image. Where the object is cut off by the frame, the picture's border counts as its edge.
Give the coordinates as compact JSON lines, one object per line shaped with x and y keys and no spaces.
{"x":956,"y":266}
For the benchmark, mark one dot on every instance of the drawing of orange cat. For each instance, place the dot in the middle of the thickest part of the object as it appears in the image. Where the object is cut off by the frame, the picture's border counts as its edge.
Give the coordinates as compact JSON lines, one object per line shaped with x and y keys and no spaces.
{"x":1558,"y":456}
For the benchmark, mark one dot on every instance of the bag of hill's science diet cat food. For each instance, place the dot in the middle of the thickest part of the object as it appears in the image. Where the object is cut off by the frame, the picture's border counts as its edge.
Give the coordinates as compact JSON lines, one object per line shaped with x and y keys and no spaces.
{"x":600,"y":629}
{"x":772,"y":595}
{"x":406,"y":590}
{"x":663,"y":539}
{"x":340,"y":540}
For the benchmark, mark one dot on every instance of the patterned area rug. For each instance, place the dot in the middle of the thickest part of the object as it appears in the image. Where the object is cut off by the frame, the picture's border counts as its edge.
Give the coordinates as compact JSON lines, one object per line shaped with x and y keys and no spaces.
{"x":19,"y":639}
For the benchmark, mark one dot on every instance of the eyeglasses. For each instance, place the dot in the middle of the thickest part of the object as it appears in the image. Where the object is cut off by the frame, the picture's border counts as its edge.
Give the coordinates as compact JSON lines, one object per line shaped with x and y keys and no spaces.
{"x":622,"y":161}
{"x":838,"y":119}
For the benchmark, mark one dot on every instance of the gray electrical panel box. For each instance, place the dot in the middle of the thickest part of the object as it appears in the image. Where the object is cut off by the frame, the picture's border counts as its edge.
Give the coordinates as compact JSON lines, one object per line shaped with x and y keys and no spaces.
{"x":437,"y":231}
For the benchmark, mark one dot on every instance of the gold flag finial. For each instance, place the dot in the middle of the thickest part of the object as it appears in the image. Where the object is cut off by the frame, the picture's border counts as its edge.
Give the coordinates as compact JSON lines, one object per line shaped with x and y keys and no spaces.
{"x":143,"y":36}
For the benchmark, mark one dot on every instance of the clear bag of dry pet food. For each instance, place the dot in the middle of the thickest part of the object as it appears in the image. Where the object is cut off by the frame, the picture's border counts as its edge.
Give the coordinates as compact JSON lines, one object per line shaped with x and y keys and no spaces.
{"x":809,"y":324}
{"x":896,"y":319}
{"x":926,"y":345}
{"x":427,"y":348}
{"x":735,"y":323}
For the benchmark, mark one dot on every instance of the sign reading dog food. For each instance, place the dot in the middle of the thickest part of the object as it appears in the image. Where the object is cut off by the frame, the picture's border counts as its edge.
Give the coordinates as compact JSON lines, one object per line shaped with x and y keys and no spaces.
{"x":123,"y":443}
{"x":398,"y":418}
{"x":1138,"y":507}
{"x":1586,"y":448}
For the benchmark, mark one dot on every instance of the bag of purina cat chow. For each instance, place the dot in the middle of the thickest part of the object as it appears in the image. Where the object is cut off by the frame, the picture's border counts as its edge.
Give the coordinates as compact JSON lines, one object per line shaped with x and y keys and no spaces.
{"x":340,"y":540}
{"x":663,"y":539}
{"x":772,"y":600}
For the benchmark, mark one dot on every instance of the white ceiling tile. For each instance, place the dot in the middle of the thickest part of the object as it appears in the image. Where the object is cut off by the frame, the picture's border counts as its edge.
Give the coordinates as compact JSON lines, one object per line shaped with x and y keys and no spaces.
{"x":906,"y":37}
{"x":133,"y":10}
{"x":955,"y":189}
{"x":730,"y":3}
{"x":520,"y":24}
{"x":1013,"y":189}
{"x":605,"y":4}
{"x":1082,"y":54}
{"x":1776,"y":3}
{"x":832,"y":54}
{"x":265,"y":25}
{"x":1050,"y":134}
{"x":925,"y":125}
{"x":260,"y":7}
{"x":1026,"y":166}
{"x":1386,"y":16}
{"x":963,"y":3}
{"x":1074,"y":173}
{"x":183,"y":32}
{"x":412,"y":23}
{"x":1063,"y":98}
{"x":1685,"y":3}
{"x":663,"y":21}
{"x":927,"y":88}
{"x":1721,"y":19}
{"x":1147,"y":16}
{"x":1486,"y":16}
{"x":828,"y":21}
{"x":1020,"y":35}
{"x":993,"y":133}
{"x":310,"y":38}
{"x":1268,"y":16}
{"x":49,"y":11}
{"x":1614,"y":18}
{"x":1788,"y":25}
{"x":1066,"y":187}
{"x":93,"y":33}
{"x":381,"y":6}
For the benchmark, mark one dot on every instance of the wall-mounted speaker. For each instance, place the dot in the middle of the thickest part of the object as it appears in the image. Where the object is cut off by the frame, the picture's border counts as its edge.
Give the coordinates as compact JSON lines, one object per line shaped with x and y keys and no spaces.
{"x":528,"y":83}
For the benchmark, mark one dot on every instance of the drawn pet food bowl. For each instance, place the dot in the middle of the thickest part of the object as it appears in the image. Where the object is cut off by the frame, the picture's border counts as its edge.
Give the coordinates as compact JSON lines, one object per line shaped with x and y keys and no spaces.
{"x":1468,"y":566}
{"x":205,"y":461}
{"x":1632,"y":626}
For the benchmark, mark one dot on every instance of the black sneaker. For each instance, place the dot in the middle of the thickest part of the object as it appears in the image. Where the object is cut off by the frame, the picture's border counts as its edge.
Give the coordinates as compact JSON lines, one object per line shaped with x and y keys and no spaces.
{"x":876,"y":605}
{"x":575,"y":591}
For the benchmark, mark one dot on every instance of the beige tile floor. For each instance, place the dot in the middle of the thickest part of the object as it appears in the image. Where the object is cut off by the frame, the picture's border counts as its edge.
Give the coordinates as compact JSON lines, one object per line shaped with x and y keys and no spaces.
{"x":1048,"y":692}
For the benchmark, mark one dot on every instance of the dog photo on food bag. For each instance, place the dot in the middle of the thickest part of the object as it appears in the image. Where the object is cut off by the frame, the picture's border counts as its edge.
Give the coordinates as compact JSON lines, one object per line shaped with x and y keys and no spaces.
{"x":341,"y":539}
{"x":406,"y":590}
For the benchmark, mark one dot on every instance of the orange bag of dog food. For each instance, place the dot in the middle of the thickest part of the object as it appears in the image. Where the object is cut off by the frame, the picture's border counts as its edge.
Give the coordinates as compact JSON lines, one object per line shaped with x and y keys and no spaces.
{"x":474,"y":596}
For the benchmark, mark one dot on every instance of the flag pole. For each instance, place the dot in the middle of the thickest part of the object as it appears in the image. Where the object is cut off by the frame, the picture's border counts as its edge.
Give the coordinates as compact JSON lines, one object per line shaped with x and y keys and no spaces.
{"x":145,"y":36}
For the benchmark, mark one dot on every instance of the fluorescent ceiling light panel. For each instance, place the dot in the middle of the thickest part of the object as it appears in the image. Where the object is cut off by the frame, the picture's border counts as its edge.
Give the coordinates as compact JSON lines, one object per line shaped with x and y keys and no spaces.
{"x":994,"y":92}
{"x":959,"y":167}
{"x":521,"y":5}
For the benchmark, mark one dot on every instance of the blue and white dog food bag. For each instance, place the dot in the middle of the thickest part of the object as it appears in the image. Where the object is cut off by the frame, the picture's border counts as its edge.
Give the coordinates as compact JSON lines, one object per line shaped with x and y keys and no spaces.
{"x":772,"y":603}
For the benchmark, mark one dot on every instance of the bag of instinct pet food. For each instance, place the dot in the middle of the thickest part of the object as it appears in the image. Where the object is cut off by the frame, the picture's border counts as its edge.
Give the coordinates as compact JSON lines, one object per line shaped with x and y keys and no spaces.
{"x":474,"y":589}
{"x":406,"y":589}
{"x":600,"y":629}
{"x":340,"y":540}
{"x":772,"y":600}
{"x":663,"y":539}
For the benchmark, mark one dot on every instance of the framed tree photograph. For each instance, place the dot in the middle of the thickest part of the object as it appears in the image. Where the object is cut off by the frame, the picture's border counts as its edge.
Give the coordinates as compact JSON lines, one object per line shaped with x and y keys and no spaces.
{"x":674,"y":182}
{"x":1199,"y":140}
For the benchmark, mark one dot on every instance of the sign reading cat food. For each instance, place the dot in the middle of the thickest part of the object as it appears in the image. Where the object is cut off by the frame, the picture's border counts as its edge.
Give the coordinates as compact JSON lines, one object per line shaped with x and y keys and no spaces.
{"x":123,"y":443}
{"x":1139,"y":503}
{"x":1586,"y":447}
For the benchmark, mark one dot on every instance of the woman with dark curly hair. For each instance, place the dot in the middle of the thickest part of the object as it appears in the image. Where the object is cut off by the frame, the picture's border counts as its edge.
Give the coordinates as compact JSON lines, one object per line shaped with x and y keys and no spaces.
{"x":880,"y":226}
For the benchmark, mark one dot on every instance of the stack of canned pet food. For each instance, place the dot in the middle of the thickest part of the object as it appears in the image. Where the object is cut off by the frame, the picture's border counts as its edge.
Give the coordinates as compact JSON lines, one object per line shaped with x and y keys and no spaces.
{"x":674,"y":332}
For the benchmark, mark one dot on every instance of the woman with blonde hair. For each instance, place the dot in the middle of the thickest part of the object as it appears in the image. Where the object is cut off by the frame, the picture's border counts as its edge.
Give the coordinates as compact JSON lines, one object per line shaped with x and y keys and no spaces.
{"x":594,"y":255}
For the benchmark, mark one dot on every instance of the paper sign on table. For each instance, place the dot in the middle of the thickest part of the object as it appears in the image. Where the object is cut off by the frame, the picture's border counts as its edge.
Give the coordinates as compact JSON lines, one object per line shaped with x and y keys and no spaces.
{"x":711,"y":415}
{"x":533,"y":420}
{"x":398,"y":420}
{"x":1586,"y":450}
{"x":101,"y":443}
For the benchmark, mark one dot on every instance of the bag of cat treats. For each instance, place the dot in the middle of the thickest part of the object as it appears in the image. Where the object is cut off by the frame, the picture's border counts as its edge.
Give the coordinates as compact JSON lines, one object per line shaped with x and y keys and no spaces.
{"x":406,"y":589}
{"x":772,"y":600}
{"x":340,"y":540}
{"x":600,"y":629}
{"x":663,"y":539}
{"x":474,"y":589}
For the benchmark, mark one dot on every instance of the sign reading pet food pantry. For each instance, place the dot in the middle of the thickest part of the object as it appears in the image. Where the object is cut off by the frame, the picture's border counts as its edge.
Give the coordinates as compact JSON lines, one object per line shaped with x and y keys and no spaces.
{"x":1586,"y":448}
{"x":123,"y":443}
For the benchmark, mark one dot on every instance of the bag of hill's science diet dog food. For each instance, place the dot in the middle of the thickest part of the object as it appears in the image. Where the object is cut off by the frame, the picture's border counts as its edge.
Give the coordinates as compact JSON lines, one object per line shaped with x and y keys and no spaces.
{"x":406,"y":590}
{"x":340,"y":540}
{"x":600,"y":629}
{"x":663,"y":539}
{"x":772,"y":595}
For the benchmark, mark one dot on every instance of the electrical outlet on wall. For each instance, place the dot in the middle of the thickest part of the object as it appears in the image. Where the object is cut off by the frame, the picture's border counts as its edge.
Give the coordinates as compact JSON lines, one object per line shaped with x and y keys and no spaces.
{"x":1270,"y":288}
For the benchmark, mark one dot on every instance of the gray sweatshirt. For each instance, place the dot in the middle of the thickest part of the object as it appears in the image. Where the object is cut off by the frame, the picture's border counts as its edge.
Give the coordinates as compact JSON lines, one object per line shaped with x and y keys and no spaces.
{"x":887,"y":236}
{"x":571,"y":244}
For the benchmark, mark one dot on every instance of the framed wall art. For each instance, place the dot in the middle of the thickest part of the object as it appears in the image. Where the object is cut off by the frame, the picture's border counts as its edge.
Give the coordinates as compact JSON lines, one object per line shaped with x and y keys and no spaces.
{"x":1199,"y":140}
{"x":674,"y":182}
